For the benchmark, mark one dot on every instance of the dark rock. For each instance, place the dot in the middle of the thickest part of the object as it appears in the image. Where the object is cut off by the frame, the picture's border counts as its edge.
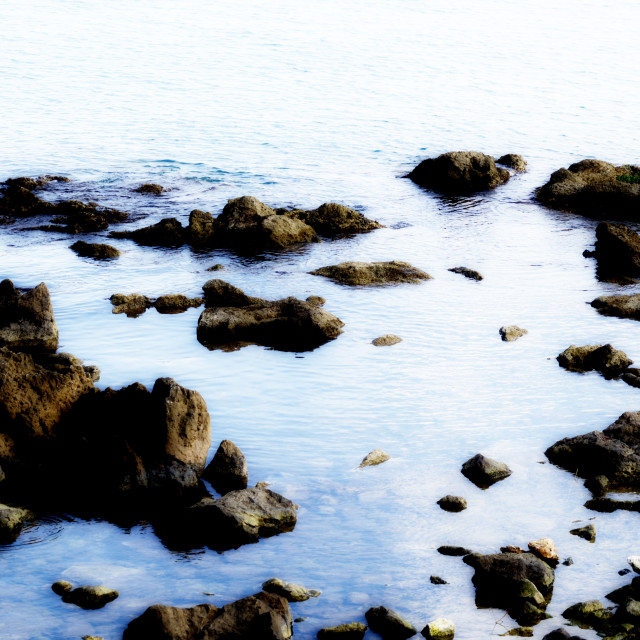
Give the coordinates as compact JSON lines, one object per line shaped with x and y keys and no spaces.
{"x":95,"y":251}
{"x":216,"y":267}
{"x":513,"y":161}
{"x":594,"y":188}
{"x":263,"y":616}
{"x":588,"y":532}
{"x":176,"y":303}
{"x":521,"y":632}
{"x":620,"y":306}
{"x":459,"y":173}
{"x":228,"y":470}
{"x":287,"y":325}
{"x":151,"y":188}
{"x":27,"y":322}
{"x":511,"y":548}
{"x":484,"y":472}
{"x":605,"y":359}
{"x":133,"y":304}
{"x":531,"y":615}
{"x":389,"y":624}
{"x":452,"y":550}
{"x":218,"y":293}
{"x":331,"y":219}
{"x":20,"y":202}
{"x":598,"y":485}
{"x":590,"y":613}
{"x":169,"y":232}
{"x":348,"y":631}
{"x":372,"y":273}
{"x":452,"y":503}
{"x":291,"y":592}
{"x":568,"y":562}
{"x":609,"y":505}
{"x":12,"y":520}
{"x":90,"y":597}
{"x":511,"y":332}
{"x":467,"y":273}
{"x":623,"y":572}
{"x":72,"y":216}
{"x":617,"y":250}
{"x":201,"y":229}
{"x":437,"y":580}
{"x":561,"y":634}
{"x":629,"y":611}
{"x":628,"y":591}
{"x":631,"y":376}
{"x":60,"y":587}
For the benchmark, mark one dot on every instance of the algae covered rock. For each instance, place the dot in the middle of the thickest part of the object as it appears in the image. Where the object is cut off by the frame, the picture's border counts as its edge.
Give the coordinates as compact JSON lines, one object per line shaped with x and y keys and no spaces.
{"x":372,"y":273}
{"x":588,"y":532}
{"x":132,"y":304}
{"x":439,"y":629}
{"x":347,"y":631}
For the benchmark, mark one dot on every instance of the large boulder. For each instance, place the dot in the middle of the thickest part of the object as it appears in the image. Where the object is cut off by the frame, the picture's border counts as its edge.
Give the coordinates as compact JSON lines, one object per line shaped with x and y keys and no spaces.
{"x":228,"y":470}
{"x":459,"y":173}
{"x":605,"y":359}
{"x":372,"y":273}
{"x":617,"y":251}
{"x":27,"y":322}
{"x":263,"y":616}
{"x":621,"y":306}
{"x":483,"y":471}
{"x":201,"y":229}
{"x":232,"y":320}
{"x":594,"y":188}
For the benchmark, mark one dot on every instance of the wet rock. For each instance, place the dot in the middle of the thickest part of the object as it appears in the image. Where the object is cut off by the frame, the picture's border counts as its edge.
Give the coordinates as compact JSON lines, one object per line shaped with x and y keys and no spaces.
{"x":513,"y":161}
{"x":375,"y":457}
{"x":594,"y":188}
{"x":634,"y":563}
{"x":95,"y":250}
{"x":521,"y":632}
{"x":629,"y":611}
{"x":90,"y":597}
{"x":27,"y":322}
{"x":620,"y":306}
{"x":331,"y":219}
{"x":437,"y":580}
{"x":631,"y":376}
{"x":598,"y":485}
{"x":263,"y":616}
{"x":609,"y":505}
{"x":545,"y":549}
{"x":60,"y":587}
{"x":484,"y":472}
{"x":588,"y":532}
{"x":389,"y":624}
{"x":348,"y":631}
{"x":561,"y":634}
{"x":133,"y":304}
{"x":387,"y":340}
{"x":452,"y":550}
{"x":439,"y":629}
{"x":509,"y":333}
{"x":613,"y":453}
{"x":12,"y":520}
{"x":176,"y":303}
{"x":201,"y":230}
{"x":568,"y":562}
{"x":151,"y":188}
{"x":73,"y":217}
{"x":452,"y":503}
{"x":216,"y":267}
{"x":218,"y":293}
{"x":511,"y":548}
{"x":169,"y":232}
{"x":372,"y":273}
{"x":459,"y":173}
{"x":520,"y":583}
{"x":467,"y":273}
{"x":588,"y":613}
{"x":291,"y":592}
{"x":287,"y":325}
{"x":228,"y":470}
{"x":605,"y":359}
{"x":617,"y":251}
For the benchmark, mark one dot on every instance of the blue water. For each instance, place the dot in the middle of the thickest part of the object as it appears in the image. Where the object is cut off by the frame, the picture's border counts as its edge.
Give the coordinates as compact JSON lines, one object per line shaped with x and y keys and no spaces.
{"x":299,"y":104}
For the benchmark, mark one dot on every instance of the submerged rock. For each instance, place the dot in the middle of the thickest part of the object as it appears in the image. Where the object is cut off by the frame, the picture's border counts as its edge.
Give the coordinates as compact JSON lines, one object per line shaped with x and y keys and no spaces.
{"x":292,"y":592}
{"x":348,"y":631}
{"x":467,"y":273}
{"x":232,"y":320}
{"x":373,"y":458}
{"x":484,"y":472}
{"x":90,"y":597}
{"x":263,"y":616}
{"x":452,"y":503}
{"x":151,"y":188}
{"x":605,"y":359}
{"x":94,"y":250}
{"x":389,"y":624}
{"x":387,"y":340}
{"x":372,"y":273}
{"x":513,"y":161}
{"x":509,"y":333}
{"x":620,"y":306}
{"x":228,"y":470}
{"x":459,"y":173}
{"x":594,"y":188}
{"x":27,"y":322}
{"x":617,"y":251}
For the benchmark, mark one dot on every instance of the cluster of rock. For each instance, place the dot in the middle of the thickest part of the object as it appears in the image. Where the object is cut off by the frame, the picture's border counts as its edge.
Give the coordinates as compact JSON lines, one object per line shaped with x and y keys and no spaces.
{"x":605,"y":359}
{"x":135,"y":304}
{"x":247,"y":223}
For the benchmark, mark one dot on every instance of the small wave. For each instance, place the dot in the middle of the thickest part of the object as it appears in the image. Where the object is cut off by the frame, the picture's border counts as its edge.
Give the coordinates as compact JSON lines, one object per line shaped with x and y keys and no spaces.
{"x":43,"y":530}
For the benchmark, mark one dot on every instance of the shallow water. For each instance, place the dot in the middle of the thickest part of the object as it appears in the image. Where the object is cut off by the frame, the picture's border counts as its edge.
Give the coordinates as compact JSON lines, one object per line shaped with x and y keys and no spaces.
{"x":298,"y":106}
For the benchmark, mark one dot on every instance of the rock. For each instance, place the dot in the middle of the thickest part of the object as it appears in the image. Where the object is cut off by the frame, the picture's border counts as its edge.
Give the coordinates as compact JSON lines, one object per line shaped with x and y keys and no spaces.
{"x":73,"y":216}
{"x":614,"y":453}
{"x":176,"y":303}
{"x":331,"y":219}
{"x":287,"y":325}
{"x":587,"y":532}
{"x":609,"y":505}
{"x":509,"y":333}
{"x":387,"y":340}
{"x":545,"y":549}
{"x":201,"y":230}
{"x":27,"y":322}
{"x":263,"y":616}
{"x":629,"y":611}
{"x":95,"y":251}
{"x":291,"y":592}
{"x":372,"y":273}
{"x":467,"y":273}
{"x":60,"y":587}
{"x":452,"y":503}
{"x":12,"y":520}
{"x":522,"y":632}
{"x":484,"y":472}
{"x":568,"y":562}
{"x":216,"y":267}
{"x":634,"y":562}
{"x":242,"y":517}
{"x":133,"y":304}
{"x":617,"y":251}
{"x":451,"y":550}
{"x":511,"y":548}
{"x":375,"y":457}
{"x":513,"y":161}
{"x":349,"y":631}
{"x":594,"y":188}
{"x":169,"y":232}
{"x":218,"y":293}
{"x":439,"y":629}
{"x":90,"y":597}
{"x":631,"y":376}
{"x":561,"y":634}
{"x":437,"y":580}
{"x":618,"y":305}
{"x":151,"y":188}
{"x":626,"y":592}
{"x":598,"y":485}
{"x":389,"y":624}
{"x":228,"y":470}
{"x":459,"y":173}
{"x":605,"y":359}
{"x":521,"y":583}
{"x":589,"y":612}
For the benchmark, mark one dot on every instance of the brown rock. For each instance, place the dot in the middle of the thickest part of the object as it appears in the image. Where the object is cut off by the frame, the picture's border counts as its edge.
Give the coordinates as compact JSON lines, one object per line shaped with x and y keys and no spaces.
{"x":618,"y":305}
{"x":228,"y":470}
{"x":133,"y":304}
{"x":201,"y":229}
{"x":94,"y":250}
{"x":617,"y":251}
{"x":386,"y":341}
{"x":467,"y":273}
{"x":605,"y":359}
{"x":509,"y":333}
{"x":292,"y":592}
{"x":151,"y":188}
{"x":484,"y":472}
{"x":513,"y":161}
{"x":372,"y":273}
{"x":12,"y":520}
{"x":90,"y":597}
{"x":348,"y":631}
{"x":331,"y":219}
{"x":176,"y":303}
{"x":545,"y":549}
{"x":375,"y":457}
{"x":453,"y":504}
{"x":169,"y":232}
{"x":389,"y":624}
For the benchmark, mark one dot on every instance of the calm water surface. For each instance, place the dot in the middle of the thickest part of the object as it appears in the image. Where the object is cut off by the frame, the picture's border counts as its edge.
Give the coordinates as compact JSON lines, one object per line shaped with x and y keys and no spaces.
{"x":299,"y":104}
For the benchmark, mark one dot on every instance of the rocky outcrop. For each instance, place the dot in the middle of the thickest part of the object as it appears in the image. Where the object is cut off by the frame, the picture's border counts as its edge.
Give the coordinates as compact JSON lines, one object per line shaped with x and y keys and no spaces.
{"x":347,"y":631}
{"x":509,"y":333}
{"x":95,"y":250}
{"x":135,"y":304}
{"x":389,"y":624}
{"x":605,"y":359}
{"x":484,"y":472}
{"x":467,"y":273}
{"x":520,"y":583}
{"x":12,"y":520}
{"x":513,"y":161}
{"x":387,"y":340}
{"x":617,"y":250}
{"x":228,"y":470}
{"x":620,"y":306}
{"x":88,"y":597}
{"x":594,"y":188}
{"x":459,"y":173}
{"x":454,"y":504}
{"x":372,"y":273}
{"x":27,"y":322}
{"x":292,"y":592}
{"x":232,"y":320}
{"x":613,"y":453}
{"x":263,"y":616}
{"x":373,"y":458}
